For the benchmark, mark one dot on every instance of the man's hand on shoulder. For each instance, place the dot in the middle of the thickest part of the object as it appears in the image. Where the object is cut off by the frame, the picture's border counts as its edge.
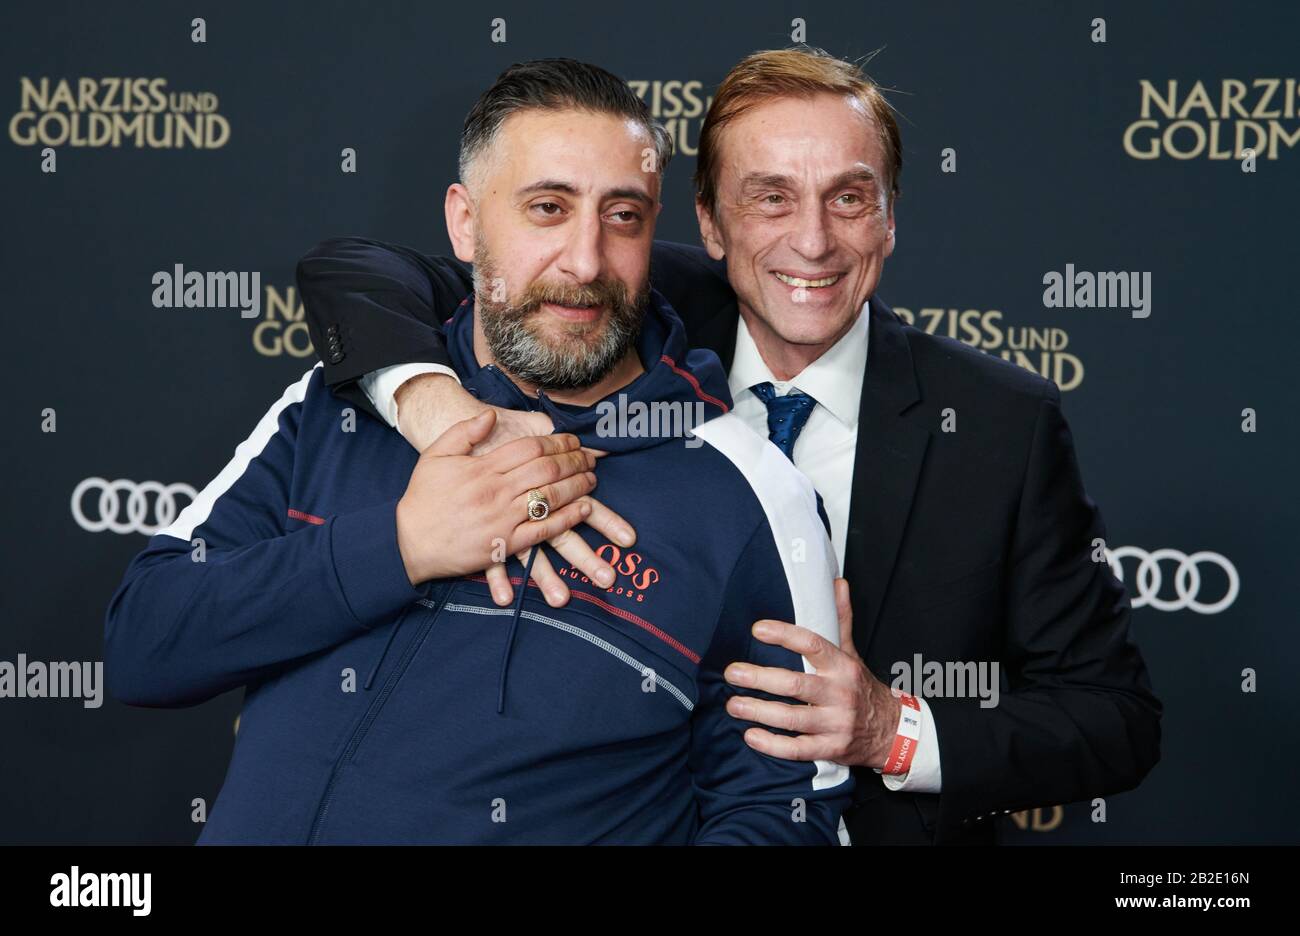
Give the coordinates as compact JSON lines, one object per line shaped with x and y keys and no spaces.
{"x":848,"y":715}
{"x":430,"y":407}
{"x":458,"y":510}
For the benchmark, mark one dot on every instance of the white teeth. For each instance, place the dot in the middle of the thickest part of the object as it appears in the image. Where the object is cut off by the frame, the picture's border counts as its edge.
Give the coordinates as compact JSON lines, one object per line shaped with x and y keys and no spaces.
{"x":806,"y":283}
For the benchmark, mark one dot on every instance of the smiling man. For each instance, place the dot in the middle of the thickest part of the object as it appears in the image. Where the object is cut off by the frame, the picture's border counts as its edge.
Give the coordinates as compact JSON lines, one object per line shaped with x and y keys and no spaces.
{"x":389,"y":699}
{"x":957,"y":509}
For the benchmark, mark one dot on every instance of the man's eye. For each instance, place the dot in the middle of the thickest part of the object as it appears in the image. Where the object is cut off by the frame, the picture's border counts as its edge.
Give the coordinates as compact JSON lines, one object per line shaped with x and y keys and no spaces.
{"x":627,"y":216}
{"x":774,"y":199}
{"x":848,"y":198}
{"x":549,"y":209}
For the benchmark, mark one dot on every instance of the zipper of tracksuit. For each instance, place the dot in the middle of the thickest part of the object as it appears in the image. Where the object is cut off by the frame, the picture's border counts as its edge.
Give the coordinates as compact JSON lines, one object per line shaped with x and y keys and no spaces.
{"x":408,"y":653}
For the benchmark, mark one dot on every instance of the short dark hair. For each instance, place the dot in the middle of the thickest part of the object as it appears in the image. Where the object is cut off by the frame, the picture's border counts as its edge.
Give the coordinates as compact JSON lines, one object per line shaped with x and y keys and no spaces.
{"x":555,"y":84}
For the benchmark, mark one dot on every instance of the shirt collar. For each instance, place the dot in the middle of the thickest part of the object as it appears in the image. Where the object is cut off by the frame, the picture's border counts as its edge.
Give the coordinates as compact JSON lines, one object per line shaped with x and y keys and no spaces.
{"x":834,"y":380}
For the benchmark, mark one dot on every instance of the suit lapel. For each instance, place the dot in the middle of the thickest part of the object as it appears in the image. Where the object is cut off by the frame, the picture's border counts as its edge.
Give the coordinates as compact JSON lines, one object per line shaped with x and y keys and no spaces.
{"x":886,"y":468}
{"x":886,"y":463}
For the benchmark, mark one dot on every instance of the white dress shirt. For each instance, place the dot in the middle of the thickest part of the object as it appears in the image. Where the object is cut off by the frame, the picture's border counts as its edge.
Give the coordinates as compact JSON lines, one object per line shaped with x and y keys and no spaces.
{"x":380,"y":387}
{"x":824,"y":451}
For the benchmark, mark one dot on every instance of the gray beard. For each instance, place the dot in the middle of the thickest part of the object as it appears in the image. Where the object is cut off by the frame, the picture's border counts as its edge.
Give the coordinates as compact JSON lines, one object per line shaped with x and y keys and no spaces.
{"x":575,"y":364}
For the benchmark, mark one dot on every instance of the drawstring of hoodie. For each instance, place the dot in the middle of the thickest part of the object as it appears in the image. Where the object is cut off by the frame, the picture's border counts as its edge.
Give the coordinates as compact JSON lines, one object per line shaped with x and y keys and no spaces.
{"x":514,"y":625}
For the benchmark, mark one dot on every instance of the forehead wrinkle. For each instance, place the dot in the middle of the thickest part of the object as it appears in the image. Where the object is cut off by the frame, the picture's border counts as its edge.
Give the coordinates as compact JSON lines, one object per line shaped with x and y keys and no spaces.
{"x":765,"y":128}
{"x":861,"y":174}
{"x":509,"y":136}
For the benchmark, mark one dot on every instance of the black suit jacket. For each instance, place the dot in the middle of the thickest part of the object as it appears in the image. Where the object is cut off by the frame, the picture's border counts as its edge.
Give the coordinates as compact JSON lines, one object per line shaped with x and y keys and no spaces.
{"x":963,"y":546}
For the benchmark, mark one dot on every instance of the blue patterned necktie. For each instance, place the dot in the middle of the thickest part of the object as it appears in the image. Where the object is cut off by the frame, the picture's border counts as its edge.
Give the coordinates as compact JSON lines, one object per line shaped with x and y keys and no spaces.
{"x":786,"y":415}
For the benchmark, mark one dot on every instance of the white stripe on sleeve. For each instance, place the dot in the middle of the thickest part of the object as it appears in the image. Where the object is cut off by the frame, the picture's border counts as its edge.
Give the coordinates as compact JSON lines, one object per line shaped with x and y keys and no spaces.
{"x":200,"y":509}
{"x":790,"y":503}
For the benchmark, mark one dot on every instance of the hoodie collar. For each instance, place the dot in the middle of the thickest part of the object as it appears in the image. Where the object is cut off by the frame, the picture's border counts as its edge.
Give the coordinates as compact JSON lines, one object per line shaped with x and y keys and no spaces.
{"x":691,"y":379}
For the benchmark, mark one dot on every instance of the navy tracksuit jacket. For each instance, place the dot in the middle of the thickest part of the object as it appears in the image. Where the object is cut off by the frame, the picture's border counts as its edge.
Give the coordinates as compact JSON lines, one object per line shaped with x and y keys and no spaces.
{"x":599,"y":722}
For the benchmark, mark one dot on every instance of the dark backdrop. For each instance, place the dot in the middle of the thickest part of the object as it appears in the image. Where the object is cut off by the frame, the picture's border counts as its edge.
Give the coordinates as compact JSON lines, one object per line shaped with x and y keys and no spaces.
{"x":1036,"y":112}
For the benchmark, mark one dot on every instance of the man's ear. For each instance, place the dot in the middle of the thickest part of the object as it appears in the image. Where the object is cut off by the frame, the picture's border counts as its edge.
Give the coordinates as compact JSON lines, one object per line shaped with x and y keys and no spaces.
{"x":890,"y":240}
{"x":459,"y":208}
{"x":709,"y":232}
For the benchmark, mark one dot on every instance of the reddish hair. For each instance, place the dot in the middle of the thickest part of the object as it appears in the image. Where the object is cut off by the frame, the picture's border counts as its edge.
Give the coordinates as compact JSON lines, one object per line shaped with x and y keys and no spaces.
{"x":798,"y":72}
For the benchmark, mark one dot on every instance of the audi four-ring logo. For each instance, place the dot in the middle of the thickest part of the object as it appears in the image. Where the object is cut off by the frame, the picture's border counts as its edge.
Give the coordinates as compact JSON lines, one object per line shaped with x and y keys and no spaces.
{"x":135,"y":497}
{"x":1187,"y":578}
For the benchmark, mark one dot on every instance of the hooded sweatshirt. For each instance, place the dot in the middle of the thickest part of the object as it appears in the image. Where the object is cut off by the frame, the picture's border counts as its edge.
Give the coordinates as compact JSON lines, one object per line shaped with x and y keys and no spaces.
{"x":379,"y":712}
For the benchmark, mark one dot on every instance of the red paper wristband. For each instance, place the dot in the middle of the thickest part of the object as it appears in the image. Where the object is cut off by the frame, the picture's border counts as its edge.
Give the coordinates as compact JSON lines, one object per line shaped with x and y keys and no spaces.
{"x":909,"y":732}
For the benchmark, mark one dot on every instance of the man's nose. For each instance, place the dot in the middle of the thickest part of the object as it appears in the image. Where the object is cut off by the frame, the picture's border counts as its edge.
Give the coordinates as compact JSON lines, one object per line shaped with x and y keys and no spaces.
{"x":582,"y":257}
{"x":811,"y":238}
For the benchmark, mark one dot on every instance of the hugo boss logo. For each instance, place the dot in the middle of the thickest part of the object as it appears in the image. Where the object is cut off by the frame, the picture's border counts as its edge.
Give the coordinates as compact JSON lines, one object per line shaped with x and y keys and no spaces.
{"x":633,"y":575}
